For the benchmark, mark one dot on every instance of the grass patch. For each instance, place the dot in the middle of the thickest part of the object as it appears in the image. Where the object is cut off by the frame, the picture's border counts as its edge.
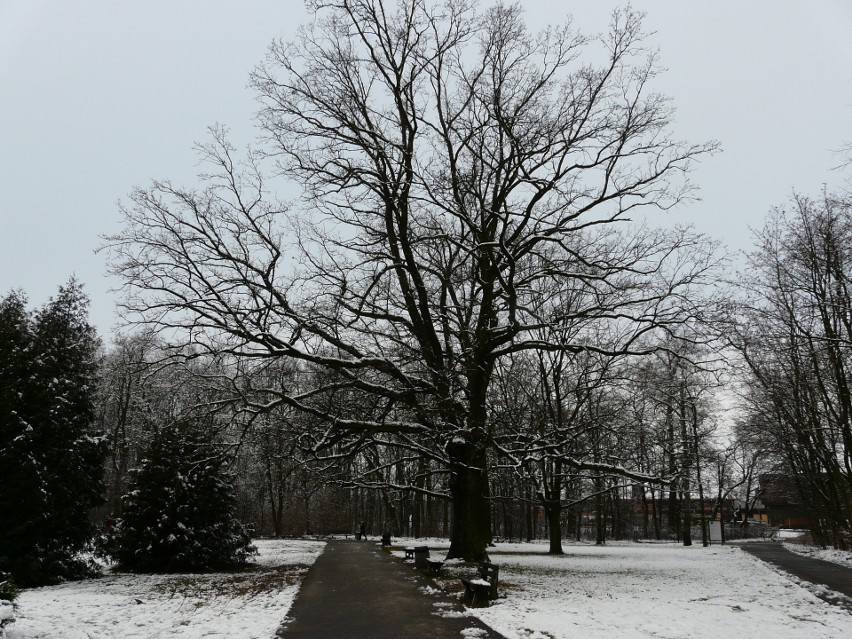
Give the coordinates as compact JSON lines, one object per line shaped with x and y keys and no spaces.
{"x":248,"y":583}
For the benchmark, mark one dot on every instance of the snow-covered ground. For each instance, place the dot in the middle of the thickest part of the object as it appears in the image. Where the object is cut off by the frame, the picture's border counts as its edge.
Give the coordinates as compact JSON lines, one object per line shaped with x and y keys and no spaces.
{"x":647,"y":590}
{"x":245,"y":605}
{"x":619,"y":590}
{"x":799,"y":542}
{"x":842,"y":557}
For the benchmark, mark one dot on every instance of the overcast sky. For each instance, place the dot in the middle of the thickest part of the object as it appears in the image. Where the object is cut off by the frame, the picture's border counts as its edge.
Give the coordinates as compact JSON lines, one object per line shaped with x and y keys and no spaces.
{"x":97,"y":97}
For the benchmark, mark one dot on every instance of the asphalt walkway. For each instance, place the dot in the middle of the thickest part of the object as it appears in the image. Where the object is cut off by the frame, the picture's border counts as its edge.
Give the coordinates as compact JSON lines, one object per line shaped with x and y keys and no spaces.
{"x":355,"y":591}
{"x":835,"y":577}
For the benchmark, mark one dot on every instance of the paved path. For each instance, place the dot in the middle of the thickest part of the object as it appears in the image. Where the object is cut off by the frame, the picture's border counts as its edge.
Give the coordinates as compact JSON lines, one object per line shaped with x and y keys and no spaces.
{"x":355,"y":591}
{"x":833,"y":576}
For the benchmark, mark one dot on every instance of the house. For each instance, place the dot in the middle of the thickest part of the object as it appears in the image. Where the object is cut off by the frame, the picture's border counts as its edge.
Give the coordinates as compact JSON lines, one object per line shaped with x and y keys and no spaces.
{"x":780,"y":497}
{"x":757,"y":513}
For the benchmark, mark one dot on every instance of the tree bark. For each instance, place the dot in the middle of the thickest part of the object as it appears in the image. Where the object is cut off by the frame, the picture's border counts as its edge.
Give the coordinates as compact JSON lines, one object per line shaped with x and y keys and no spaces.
{"x":469,"y":490}
{"x":685,"y":456}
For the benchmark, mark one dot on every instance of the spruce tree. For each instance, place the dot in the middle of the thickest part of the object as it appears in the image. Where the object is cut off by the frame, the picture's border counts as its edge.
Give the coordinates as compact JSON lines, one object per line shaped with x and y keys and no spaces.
{"x":179,"y":513}
{"x":51,"y":461}
{"x":20,"y":497}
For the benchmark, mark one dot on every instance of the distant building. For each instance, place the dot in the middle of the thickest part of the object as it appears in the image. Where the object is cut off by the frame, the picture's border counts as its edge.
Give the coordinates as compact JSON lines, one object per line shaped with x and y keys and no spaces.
{"x":780,"y":497}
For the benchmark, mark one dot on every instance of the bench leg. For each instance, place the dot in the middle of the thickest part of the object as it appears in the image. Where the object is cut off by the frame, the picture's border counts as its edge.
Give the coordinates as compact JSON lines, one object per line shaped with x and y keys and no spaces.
{"x":479,"y":595}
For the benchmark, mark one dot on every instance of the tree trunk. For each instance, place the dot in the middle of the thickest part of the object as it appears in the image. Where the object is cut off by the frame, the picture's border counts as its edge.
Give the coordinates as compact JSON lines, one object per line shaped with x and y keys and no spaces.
{"x":674,"y":503}
{"x":508,"y":528}
{"x":578,"y":521}
{"x":529,"y":519}
{"x":553,"y":514}
{"x":701,"y":505}
{"x":657,"y":514}
{"x":687,"y":514}
{"x":552,"y":504}
{"x":685,"y":456}
{"x":471,"y":530}
{"x":600,"y":520}
{"x":554,"y":529}
{"x":417,"y":531}
{"x":276,"y":507}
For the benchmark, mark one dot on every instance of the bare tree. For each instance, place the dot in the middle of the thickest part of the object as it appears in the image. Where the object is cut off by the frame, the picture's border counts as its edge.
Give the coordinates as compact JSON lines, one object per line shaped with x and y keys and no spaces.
{"x":122,"y":412}
{"x":796,"y":339}
{"x":451,"y":163}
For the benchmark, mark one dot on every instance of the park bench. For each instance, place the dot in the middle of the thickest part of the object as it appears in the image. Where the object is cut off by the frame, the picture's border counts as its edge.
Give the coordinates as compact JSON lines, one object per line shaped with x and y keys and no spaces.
{"x":484,"y":586}
{"x":338,"y":534}
{"x":409,"y":553}
{"x":435,"y":566}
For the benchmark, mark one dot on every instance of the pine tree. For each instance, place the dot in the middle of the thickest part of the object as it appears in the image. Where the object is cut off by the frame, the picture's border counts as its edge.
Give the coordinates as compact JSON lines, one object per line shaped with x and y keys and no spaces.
{"x":19,"y":494}
{"x":179,"y":513}
{"x":50,"y":460}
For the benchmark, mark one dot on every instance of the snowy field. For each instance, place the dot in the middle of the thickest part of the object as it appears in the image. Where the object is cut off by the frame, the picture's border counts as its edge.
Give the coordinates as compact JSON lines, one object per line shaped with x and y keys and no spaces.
{"x":619,"y":590}
{"x":647,"y":590}
{"x":245,"y":605}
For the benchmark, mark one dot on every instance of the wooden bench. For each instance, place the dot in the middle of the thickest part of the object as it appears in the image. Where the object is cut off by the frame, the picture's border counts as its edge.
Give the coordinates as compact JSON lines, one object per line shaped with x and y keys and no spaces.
{"x":409,"y":553}
{"x":338,"y":534}
{"x":484,"y":586}
{"x":435,"y":566}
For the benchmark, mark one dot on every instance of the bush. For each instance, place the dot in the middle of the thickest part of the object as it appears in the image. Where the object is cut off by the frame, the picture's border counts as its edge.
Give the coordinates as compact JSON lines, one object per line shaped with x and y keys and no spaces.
{"x":8,"y":590}
{"x":47,"y":565}
{"x":8,"y":593}
{"x":179,"y":513}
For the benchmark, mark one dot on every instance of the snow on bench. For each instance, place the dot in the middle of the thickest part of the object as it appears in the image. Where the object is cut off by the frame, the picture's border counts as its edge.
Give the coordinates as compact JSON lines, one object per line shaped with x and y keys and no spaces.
{"x":483,"y":587}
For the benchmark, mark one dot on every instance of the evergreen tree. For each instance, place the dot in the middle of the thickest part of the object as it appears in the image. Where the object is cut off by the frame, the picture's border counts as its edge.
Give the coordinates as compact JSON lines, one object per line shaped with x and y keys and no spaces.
{"x":50,"y":460}
{"x":179,"y":513}
{"x":19,"y":493}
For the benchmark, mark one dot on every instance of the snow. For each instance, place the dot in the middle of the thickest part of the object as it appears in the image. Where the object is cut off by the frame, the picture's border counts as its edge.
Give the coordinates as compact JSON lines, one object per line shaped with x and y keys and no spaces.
{"x":249,"y":604}
{"x":842,"y":557}
{"x":652,"y":590}
{"x":785,"y":533}
{"x":622,"y":590}
{"x":633,"y":591}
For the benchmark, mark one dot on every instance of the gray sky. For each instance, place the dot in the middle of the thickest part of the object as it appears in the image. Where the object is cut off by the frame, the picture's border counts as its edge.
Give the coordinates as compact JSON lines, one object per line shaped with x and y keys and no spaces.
{"x":97,"y":96}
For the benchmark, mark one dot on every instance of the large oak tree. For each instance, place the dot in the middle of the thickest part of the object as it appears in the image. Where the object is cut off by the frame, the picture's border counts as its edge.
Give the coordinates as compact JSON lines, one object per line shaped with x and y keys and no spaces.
{"x":466,"y":184}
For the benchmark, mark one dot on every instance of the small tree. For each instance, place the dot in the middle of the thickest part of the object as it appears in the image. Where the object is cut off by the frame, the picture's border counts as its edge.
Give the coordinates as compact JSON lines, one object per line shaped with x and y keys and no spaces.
{"x":179,"y":513}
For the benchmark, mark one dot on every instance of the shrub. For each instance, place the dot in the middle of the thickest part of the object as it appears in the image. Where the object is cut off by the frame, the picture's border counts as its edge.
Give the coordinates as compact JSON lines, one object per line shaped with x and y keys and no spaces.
{"x":179,"y":513}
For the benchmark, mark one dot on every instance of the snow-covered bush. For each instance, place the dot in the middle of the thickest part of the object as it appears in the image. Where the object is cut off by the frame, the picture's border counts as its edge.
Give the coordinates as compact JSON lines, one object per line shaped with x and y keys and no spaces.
{"x":179,"y":513}
{"x":7,"y":615}
{"x":8,"y":592}
{"x":8,"y":589}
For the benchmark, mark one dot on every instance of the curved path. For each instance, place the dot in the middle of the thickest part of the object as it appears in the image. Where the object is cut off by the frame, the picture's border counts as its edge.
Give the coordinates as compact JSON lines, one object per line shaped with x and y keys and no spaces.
{"x":833,"y":576}
{"x":355,"y":591}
